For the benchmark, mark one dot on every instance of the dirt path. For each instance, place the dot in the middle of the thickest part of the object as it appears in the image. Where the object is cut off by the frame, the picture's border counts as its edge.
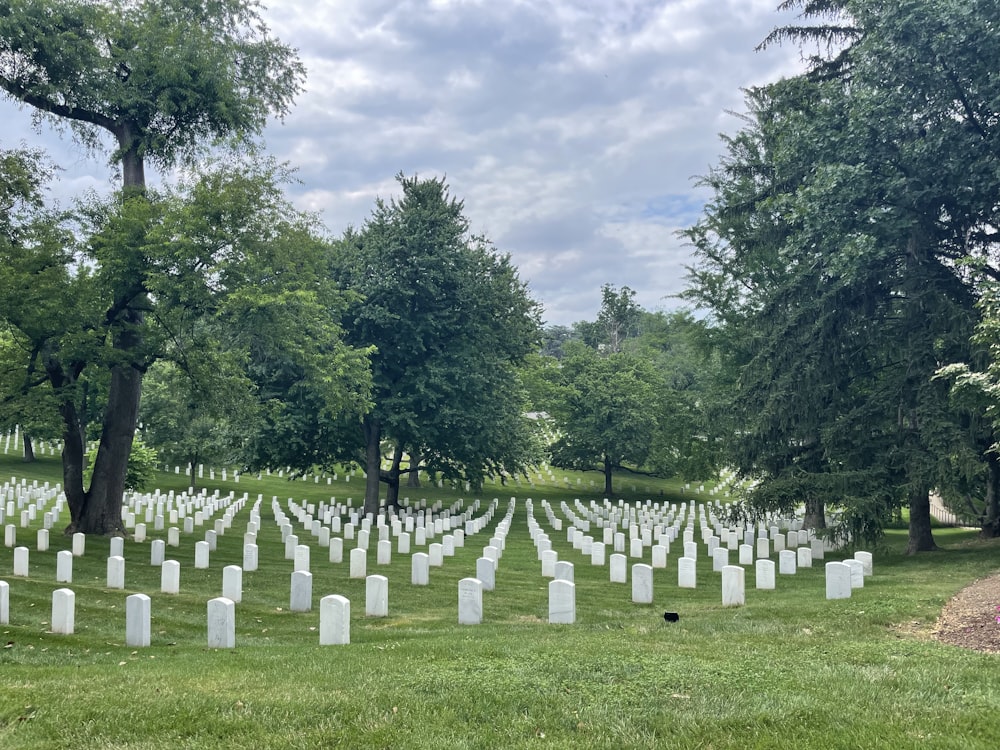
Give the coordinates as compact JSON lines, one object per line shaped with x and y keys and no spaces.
{"x":969,"y":619}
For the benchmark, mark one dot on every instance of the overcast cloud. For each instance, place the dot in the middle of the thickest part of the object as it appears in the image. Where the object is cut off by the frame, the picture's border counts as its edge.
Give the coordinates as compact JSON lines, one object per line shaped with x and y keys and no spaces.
{"x":573,"y":129}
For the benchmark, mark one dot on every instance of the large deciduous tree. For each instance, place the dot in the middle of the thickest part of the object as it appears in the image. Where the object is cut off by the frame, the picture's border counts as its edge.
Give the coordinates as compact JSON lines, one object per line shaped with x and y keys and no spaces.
{"x":605,"y":411}
{"x":163,"y":78}
{"x":853,"y":219}
{"x":449,"y":322}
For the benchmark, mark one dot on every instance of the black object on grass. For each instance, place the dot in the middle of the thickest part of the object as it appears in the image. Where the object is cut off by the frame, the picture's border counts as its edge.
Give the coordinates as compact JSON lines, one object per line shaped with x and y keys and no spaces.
{"x":671,"y":616}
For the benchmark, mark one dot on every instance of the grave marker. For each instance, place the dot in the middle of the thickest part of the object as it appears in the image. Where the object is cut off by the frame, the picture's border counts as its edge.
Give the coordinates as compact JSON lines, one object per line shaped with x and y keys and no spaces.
{"x":562,"y":602}
{"x":137,"y":619}
{"x":221,"y":623}
{"x":334,"y":620}
{"x":377,"y":596}
{"x":470,"y":601}
{"x":63,"y":610}
{"x":642,"y":584}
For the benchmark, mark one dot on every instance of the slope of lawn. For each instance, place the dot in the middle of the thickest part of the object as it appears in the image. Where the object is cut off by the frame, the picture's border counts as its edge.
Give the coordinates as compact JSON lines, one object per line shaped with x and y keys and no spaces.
{"x":789,"y":669}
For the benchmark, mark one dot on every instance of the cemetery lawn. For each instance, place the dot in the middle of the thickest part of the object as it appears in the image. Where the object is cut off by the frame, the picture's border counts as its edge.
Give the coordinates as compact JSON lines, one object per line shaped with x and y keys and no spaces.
{"x":788,"y":670}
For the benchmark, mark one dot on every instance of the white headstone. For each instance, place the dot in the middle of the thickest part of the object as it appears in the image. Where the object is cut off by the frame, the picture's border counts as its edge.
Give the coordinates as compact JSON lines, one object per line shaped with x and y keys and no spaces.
{"x":250,"y":554}
{"x":635,"y":548}
{"x":377,"y":596}
{"x":486,"y":573}
{"x":116,"y":572}
{"x":764,"y":574}
{"x":642,"y":584}
{"x":334,"y":621}
{"x":618,"y":568}
{"x":21,"y":562}
{"x":420,"y":569}
{"x":137,"y":620}
{"x":838,"y":581}
{"x":733,"y":586}
{"x":336,"y":550}
{"x":156,"y":553}
{"x":221,"y":623}
{"x":687,"y":573}
{"x":359,"y":563}
{"x":301,"y":594}
{"x":857,"y":569}
{"x":64,"y":566}
{"x":117,"y":547}
{"x":549,"y":560}
{"x":403,"y":543}
{"x":300,"y":557}
{"x":42,"y":540}
{"x":786,"y":562}
{"x":866,"y":561}
{"x":170,"y":577}
{"x":383,"y":552}
{"x":720,"y":559}
{"x":436,"y":555}
{"x":746,"y":554}
{"x":562,"y":602}
{"x":470,"y":601}
{"x":763,"y":547}
{"x":232,"y":583}
{"x":201,"y":555}
{"x":79,"y":544}
{"x":4,"y":603}
{"x":804,"y":557}
{"x":659,"y":553}
{"x":63,"y":610}
{"x":563,"y":570}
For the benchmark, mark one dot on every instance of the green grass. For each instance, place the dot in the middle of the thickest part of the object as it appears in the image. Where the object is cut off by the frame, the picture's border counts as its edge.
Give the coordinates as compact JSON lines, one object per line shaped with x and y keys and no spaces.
{"x":790,"y":669}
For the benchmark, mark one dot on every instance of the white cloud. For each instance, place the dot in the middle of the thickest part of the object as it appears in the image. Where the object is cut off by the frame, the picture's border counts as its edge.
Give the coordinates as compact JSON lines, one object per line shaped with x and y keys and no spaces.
{"x":571,"y":130}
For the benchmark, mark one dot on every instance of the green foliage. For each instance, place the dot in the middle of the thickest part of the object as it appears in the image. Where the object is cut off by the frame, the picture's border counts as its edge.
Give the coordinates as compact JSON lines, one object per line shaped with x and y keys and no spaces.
{"x":843,"y":253}
{"x":143,"y":461}
{"x":449,"y":322}
{"x":605,"y":412}
{"x":165,"y":77}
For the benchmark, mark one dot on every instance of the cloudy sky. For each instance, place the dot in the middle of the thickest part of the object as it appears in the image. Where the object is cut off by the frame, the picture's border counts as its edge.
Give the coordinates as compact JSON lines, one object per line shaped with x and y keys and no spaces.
{"x":574,"y":130}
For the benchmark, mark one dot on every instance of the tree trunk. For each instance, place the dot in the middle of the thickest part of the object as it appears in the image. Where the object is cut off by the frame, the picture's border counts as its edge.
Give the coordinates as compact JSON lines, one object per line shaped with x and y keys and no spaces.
{"x":192,"y":471}
{"x":391,"y":479}
{"x":921,"y":539}
{"x":29,"y":450}
{"x":373,"y":463}
{"x":815,"y":516}
{"x":413,"y":480}
{"x":991,"y":513}
{"x":608,"y":492}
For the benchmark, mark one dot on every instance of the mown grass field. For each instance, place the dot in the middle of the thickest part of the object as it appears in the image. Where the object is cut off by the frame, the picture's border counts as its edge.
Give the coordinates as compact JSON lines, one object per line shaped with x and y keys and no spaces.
{"x":790,"y":669}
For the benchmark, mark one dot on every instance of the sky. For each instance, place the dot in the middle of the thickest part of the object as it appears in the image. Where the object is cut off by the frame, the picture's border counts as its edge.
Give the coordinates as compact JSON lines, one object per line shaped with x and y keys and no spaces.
{"x":573,"y":130}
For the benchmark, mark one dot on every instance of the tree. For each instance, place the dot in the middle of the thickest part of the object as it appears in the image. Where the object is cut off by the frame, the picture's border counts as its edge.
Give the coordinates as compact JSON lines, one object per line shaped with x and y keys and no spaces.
{"x":449,"y":322}
{"x":605,"y":412}
{"x":164,"y":78}
{"x":618,"y":318}
{"x":853,"y":220}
